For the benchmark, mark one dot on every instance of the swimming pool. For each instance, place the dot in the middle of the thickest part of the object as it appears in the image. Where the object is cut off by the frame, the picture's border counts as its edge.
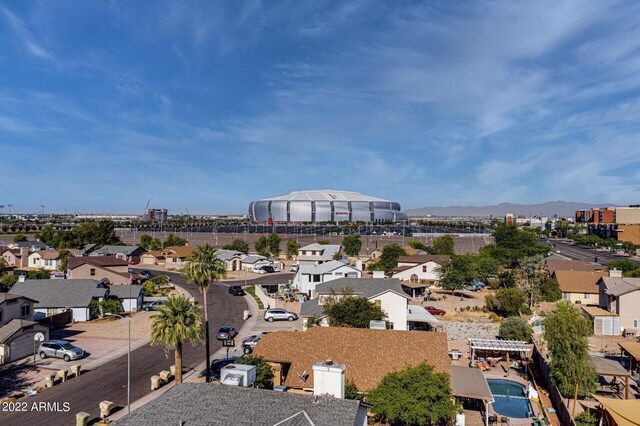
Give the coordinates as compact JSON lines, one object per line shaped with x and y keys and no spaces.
{"x":510,"y":398}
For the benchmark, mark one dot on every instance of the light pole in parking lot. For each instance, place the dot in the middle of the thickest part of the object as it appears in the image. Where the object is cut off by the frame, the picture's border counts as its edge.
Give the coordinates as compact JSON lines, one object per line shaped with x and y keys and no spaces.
{"x":128,"y":360}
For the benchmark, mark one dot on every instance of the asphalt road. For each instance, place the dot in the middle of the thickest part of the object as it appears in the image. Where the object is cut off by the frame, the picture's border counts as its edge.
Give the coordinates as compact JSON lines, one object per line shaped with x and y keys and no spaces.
{"x":109,"y":382}
{"x":587,"y":254}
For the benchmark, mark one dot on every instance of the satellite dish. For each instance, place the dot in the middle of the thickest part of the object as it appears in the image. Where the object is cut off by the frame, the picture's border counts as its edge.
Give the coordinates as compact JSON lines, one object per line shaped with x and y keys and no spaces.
{"x":38,"y":337}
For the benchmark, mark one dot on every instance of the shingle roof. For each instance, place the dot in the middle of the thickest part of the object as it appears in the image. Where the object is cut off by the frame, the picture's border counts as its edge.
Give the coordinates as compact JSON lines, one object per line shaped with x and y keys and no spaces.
{"x":74,"y":262}
{"x":180,"y":252}
{"x":127,"y":250}
{"x":59,"y":293}
{"x":579,"y":281}
{"x":363,"y":287}
{"x":423,"y":258}
{"x":571,"y":265}
{"x":30,"y":244}
{"x":228,"y":254}
{"x":312,"y":308}
{"x":10,"y":296}
{"x":323,"y":268}
{"x":368,"y":354}
{"x":253,"y":258}
{"x":619,"y":286}
{"x":125,"y":291}
{"x":199,"y":404}
{"x":12,"y":327}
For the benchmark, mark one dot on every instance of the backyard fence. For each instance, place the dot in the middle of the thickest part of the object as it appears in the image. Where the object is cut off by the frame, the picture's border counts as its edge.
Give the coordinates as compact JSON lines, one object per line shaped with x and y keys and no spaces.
{"x":58,"y":320}
{"x":562,"y":410}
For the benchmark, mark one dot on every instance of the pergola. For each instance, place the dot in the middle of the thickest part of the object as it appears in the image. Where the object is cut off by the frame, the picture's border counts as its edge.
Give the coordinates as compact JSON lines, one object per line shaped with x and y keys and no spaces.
{"x":497,"y":346}
{"x":608,"y":367}
{"x":632,"y":351}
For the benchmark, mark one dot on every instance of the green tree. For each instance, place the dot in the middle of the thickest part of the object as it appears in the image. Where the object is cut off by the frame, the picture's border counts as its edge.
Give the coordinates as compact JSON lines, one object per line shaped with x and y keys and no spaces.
{"x":413,"y":396}
{"x":566,"y":331}
{"x":515,"y":328}
{"x":530,"y":276}
{"x":351,"y":390}
{"x":64,"y":259}
{"x":19,"y":238}
{"x":149,"y":243}
{"x":103,"y":307}
{"x":507,"y":301}
{"x":238,"y":245}
{"x":261,"y":245}
{"x":324,"y":242}
{"x":152,"y":286}
{"x":100,"y":232}
{"x":274,"y":244}
{"x":8,"y":281}
{"x":443,"y":245}
{"x":586,"y":419}
{"x":624,"y":265}
{"x":202,"y":268}
{"x":292,"y":248}
{"x":550,"y":290}
{"x":39,"y":274}
{"x":264,"y":373}
{"x":353,"y":311}
{"x":352,"y":245}
{"x":175,"y":323}
{"x":418,"y":245}
{"x":388,"y":258}
{"x":174,"y":240}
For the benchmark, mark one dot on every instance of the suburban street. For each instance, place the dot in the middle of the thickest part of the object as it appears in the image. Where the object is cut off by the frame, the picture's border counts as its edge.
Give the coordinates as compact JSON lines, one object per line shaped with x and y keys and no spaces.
{"x":587,"y":254}
{"x":109,"y":382}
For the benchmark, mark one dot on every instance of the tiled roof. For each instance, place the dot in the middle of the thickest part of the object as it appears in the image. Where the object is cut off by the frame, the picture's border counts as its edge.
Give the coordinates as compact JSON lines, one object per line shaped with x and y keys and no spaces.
{"x":619,"y":286}
{"x":368,"y":354}
{"x":181,"y":252}
{"x":107,"y":261}
{"x":571,"y":265}
{"x":424,"y":258}
{"x":579,"y":281}
{"x":205,"y":404}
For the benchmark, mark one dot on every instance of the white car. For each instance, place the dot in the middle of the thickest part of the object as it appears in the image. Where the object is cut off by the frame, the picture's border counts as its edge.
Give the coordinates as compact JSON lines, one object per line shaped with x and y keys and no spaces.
{"x":258,"y":270}
{"x":294,"y":268}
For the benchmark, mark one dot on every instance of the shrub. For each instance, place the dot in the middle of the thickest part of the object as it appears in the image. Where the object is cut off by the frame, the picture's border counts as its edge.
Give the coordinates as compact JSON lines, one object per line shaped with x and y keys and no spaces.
{"x":515,"y":328}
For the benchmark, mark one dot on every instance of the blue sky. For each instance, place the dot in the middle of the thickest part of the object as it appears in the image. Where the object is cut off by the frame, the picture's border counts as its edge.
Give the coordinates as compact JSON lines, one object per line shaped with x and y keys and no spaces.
{"x":208,"y":105}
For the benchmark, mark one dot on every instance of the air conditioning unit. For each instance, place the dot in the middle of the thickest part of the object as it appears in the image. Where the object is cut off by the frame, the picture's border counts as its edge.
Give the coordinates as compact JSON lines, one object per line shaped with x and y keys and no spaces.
{"x":378,"y":325}
{"x":238,"y":375}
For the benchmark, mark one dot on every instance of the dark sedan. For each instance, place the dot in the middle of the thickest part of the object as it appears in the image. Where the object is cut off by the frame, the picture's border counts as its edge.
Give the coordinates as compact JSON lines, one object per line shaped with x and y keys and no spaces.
{"x":236,"y":290}
{"x":226,"y":332}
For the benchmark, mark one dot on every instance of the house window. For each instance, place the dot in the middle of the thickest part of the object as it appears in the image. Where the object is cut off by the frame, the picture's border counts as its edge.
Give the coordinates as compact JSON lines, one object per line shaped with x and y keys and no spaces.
{"x":93,"y":272}
{"x":414,"y":278}
{"x":316,"y":278}
{"x":424,"y":268}
{"x":587,"y":296}
{"x":34,"y":260}
{"x":636,"y":323}
{"x":25,"y":310}
{"x":566,"y":296}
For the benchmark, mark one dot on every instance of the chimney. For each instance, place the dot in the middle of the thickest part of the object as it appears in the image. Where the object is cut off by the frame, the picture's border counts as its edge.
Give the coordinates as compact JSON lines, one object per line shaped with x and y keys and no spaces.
{"x":615,"y":273}
{"x":359,"y":264}
{"x":328,"y":379}
{"x":24,"y":257}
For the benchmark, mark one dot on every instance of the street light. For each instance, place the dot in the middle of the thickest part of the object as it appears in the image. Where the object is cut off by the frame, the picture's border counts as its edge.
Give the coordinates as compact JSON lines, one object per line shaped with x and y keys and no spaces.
{"x":128,"y":360}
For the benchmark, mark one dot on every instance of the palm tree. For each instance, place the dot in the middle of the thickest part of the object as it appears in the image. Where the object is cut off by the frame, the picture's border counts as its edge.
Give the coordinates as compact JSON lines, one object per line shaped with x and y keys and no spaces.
{"x":204,"y":267}
{"x":176,"y":322}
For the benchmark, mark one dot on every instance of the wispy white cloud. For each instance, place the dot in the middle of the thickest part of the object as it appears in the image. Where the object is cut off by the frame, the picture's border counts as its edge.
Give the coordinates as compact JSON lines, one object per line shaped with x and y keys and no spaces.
{"x":24,"y":37}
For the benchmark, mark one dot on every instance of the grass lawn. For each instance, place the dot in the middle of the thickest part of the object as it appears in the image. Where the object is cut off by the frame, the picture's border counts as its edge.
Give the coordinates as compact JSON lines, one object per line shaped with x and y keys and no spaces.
{"x":252,"y":291}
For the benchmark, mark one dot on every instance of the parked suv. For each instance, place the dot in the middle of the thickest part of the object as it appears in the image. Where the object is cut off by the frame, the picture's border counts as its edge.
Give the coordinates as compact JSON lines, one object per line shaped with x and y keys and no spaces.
{"x":249,"y":344}
{"x":59,"y":349}
{"x":226,"y":332}
{"x":268,"y":269}
{"x":294,"y":268}
{"x":152,"y":305}
{"x":236,"y":290}
{"x":258,"y":270}
{"x":279,"y":314}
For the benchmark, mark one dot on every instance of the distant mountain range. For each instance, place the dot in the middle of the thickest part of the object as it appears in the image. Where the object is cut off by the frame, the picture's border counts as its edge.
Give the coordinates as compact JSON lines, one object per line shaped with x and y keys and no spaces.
{"x":548,"y":209}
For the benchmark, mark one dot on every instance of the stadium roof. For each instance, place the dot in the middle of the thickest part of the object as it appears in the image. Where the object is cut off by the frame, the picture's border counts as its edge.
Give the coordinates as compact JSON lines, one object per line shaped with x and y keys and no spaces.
{"x":324,"y":195}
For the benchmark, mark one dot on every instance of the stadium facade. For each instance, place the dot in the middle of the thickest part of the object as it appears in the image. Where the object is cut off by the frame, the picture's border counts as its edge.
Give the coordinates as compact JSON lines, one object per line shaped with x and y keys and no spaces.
{"x":325,"y":206}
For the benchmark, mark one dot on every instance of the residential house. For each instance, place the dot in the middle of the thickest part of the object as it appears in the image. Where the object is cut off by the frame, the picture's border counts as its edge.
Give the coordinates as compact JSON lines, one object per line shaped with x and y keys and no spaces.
{"x":232,"y":259}
{"x":417,"y":272}
{"x":16,"y":258}
{"x":197,"y":404}
{"x":57,"y":296}
{"x":579,"y":286}
{"x":554,"y":265}
{"x":309,"y":276}
{"x":48,"y":259}
{"x":621,"y":295}
{"x":254,"y":260}
{"x":30,"y":245}
{"x":316,"y":254}
{"x":17,"y":330}
{"x":385,"y":293}
{"x":173,"y":257}
{"x":128,"y":253}
{"x":368,"y":354}
{"x":108,"y":269}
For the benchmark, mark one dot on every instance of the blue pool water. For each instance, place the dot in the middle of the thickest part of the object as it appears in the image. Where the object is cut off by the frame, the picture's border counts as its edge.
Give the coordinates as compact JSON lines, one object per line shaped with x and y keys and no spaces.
{"x":510,"y":399}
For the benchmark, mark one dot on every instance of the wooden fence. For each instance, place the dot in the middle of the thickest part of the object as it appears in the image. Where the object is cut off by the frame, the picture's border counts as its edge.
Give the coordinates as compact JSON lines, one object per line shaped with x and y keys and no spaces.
{"x":58,"y":320}
{"x":562,"y":411}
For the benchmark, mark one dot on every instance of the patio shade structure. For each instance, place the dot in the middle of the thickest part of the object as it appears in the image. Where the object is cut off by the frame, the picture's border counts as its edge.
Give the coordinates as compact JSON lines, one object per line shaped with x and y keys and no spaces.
{"x":632,"y":351}
{"x":499,"y":346}
{"x":625,"y":412}
{"x":608,"y":367}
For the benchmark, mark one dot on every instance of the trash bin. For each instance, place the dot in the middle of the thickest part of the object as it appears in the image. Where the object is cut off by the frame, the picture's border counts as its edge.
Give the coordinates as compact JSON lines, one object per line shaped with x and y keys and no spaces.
{"x":246,"y":315}
{"x":48,"y":380}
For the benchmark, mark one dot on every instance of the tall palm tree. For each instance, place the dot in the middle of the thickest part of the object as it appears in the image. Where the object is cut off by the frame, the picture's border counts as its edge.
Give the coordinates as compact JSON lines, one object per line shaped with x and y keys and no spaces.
{"x":204,"y":267}
{"x":176,"y":322}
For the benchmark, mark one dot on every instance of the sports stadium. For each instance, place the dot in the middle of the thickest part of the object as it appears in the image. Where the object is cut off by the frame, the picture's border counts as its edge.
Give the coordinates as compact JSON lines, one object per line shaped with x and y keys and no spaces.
{"x":325,"y":206}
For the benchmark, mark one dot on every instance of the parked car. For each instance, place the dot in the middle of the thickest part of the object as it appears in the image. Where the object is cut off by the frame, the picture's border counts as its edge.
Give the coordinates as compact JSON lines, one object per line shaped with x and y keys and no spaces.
{"x":152,"y":306}
{"x":249,"y":344}
{"x":145,"y":274}
{"x":268,"y":269}
{"x":236,"y":290}
{"x":226,"y":332}
{"x":435,"y":311}
{"x":276,"y":314}
{"x":294,"y":268}
{"x":258,"y":270}
{"x":133,"y":262}
{"x":219,"y":364}
{"x":59,"y":349}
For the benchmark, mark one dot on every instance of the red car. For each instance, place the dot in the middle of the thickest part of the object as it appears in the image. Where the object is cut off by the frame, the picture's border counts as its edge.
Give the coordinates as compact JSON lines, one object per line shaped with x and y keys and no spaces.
{"x":435,"y":311}
{"x":133,"y":262}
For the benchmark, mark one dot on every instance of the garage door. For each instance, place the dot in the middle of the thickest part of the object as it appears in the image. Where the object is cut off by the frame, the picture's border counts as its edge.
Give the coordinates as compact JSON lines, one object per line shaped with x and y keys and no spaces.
{"x":21,"y":347}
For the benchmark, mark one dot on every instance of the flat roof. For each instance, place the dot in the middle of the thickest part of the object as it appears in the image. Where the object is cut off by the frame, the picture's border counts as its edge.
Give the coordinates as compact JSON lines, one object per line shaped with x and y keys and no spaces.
{"x":499,"y":345}
{"x":469,"y":382}
{"x":632,"y":348}
{"x":594,"y":311}
{"x":608,"y":367}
